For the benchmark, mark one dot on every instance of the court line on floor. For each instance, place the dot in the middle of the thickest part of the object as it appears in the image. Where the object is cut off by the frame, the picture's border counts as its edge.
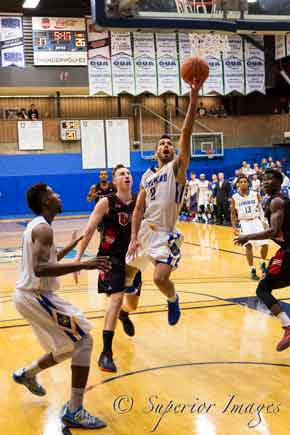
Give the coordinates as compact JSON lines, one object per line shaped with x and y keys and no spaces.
{"x":220,"y":249}
{"x":137,"y":313}
{"x":192,"y":364}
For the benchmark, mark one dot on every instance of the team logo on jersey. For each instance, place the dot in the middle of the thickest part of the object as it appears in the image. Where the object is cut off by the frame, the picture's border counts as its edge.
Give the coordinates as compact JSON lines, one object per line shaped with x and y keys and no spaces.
{"x":124,"y":219}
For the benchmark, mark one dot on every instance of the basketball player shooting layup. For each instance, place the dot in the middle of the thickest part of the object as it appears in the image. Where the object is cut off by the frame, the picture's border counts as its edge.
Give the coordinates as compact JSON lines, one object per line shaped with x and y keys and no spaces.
{"x":153,"y":235}
{"x":61,"y":328}
{"x":277,"y":211}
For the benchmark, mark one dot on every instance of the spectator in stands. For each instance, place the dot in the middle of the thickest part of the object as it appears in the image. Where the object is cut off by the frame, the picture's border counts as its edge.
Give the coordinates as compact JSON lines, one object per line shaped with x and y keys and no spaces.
{"x":33,"y":111}
{"x":213,"y":111}
{"x":244,"y":168}
{"x":223,"y":194}
{"x":278,"y":165}
{"x":256,"y":183}
{"x":24,"y":114}
{"x":264,"y":164}
{"x":201,"y":110}
{"x":222,"y":111}
{"x":257,"y":169}
{"x":270,"y":163}
{"x":237,"y":173}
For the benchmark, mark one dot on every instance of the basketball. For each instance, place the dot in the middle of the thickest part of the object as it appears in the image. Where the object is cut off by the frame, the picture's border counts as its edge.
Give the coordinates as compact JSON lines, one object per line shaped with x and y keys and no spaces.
{"x":194,"y":67}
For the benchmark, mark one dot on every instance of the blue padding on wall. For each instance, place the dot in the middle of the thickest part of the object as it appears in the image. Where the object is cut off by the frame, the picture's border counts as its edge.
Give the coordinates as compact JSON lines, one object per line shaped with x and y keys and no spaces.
{"x":65,"y":174}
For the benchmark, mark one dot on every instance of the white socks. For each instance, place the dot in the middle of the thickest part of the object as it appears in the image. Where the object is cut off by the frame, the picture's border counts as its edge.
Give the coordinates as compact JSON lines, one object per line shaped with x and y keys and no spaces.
{"x":32,"y":370}
{"x":284,"y":319}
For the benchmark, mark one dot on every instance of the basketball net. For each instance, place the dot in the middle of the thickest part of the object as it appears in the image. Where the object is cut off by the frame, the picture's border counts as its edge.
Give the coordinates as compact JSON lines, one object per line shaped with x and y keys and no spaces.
{"x":208,"y":44}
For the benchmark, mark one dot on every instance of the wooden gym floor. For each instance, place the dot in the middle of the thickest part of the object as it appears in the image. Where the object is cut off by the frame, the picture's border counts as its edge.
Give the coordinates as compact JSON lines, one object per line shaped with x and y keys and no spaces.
{"x":216,"y":373}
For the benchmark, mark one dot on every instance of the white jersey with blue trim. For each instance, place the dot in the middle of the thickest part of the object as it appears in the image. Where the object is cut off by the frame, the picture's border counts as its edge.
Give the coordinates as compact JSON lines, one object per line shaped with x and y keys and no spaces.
{"x":247,"y":206}
{"x":164,"y":197}
{"x":28,"y":280}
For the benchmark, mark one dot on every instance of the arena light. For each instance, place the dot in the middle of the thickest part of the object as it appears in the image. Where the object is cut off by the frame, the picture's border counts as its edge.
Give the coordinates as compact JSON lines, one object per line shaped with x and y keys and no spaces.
{"x":30,"y":4}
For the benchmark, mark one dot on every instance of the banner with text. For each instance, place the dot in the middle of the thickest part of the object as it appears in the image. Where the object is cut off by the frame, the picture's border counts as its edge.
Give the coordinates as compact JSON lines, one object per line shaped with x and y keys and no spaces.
{"x":11,"y":42}
{"x":167,"y":63}
{"x":255,"y":66}
{"x":233,"y":62}
{"x":99,"y":68}
{"x":145,"y":63}
{"x":122,"y":63}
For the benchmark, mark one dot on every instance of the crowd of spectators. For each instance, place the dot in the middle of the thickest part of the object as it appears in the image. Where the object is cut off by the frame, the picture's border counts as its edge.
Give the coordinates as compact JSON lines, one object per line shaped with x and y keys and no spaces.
{"x":23,"y":114}
{"x":208,"y":201}
{"x":214,"y":111}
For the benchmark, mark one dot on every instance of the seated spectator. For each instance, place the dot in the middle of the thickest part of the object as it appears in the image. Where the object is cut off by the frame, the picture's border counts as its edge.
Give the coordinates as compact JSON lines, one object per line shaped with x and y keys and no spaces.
{"x":34,"y":117}
{"x":24,"y":114}
{"x":270,"y":163}
{"x":222,"y":111}
{"x":32,"y":111}
{"x":256,"y":183}
{"x":278,"y":165}
{"x":264,"y":163}
{"x":213,"y":111}
{"x":201,"y":110}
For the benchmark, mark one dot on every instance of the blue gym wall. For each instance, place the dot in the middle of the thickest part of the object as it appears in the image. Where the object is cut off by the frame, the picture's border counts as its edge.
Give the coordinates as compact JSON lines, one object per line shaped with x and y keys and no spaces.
{"x":65,"y":174}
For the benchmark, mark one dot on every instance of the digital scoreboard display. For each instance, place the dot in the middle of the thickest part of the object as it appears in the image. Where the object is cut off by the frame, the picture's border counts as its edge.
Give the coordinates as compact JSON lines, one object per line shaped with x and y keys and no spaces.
{"x":59,"y":41}
{"x":70,"y":130}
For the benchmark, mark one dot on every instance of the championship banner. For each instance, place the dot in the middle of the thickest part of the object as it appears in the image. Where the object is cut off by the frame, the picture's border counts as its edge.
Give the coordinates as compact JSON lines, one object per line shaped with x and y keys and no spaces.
{"x":214,"y":83}
{"x":122,"y":63}
{"x":280,"y":47}
{"x":184,"y":46}
{"x":145,"y":63}
{"x":255,"y":67}
{"x":99,"y":68}
{"x":233,"y":62}
{"x":59,"y":41}
{"x":11,"y":42}
{"x":167,"y":63}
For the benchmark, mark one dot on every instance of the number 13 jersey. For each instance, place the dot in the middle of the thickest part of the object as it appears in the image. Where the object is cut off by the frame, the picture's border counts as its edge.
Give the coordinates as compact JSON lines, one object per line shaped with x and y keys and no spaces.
{"x":164,"y":197}
{"x":247,"y":206}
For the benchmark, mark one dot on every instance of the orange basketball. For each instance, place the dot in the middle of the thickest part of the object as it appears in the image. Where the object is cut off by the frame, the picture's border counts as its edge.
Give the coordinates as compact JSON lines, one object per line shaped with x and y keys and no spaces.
{"x":194,"y":67}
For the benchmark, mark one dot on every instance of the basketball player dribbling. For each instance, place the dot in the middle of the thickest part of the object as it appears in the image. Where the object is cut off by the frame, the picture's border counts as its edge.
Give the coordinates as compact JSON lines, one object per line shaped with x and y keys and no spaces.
{"x":277,"y":211}
{"x":154,"y":236}
{"x":61,"y":328}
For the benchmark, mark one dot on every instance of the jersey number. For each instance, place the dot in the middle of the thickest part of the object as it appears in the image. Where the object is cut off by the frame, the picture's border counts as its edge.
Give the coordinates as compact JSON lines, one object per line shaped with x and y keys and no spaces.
{"x":152,"y":193}
{"x":248,"y":209}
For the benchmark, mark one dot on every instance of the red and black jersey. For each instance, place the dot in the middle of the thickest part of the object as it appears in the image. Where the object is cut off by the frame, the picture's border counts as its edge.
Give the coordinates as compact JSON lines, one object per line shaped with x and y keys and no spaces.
{"x":283,"y":239}
{"x":101,"y":191}
{"x":116,"y":227}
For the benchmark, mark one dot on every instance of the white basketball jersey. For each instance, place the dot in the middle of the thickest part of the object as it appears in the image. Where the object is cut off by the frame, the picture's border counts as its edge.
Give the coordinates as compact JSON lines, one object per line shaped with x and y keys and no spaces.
{"x":164,"y":197}
{"x":247,"y":206}
{"x":193,"y":185}
{"x":203,"y":188}
{"x":28,"y":280}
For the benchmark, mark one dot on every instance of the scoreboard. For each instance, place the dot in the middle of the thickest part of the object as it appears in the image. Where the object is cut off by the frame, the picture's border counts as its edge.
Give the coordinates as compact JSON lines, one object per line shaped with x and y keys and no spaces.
{"x":70,"y":130}
{"x":59,"y":41}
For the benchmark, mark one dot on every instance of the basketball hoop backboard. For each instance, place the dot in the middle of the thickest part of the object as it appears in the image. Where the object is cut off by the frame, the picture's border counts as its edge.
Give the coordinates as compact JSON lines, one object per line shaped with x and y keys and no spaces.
{"x":241,"y":16}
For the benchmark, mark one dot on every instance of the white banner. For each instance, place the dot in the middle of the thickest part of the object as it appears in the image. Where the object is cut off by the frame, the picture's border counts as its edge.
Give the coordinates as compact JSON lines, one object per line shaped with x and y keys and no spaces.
{"x":167,"y":63}
{"x":30,"y":135}
{"x":59,"y":41}
{"x":214,"y":83}
{"x":145,"y":63}
{"x":11,"y":42}
{"x":233,"y":62}
{"x":287,"y":45}
{"x":100,"y":75}
{"x":93,"y":144}
{"x":280,"y":46}
{"x":122,"y":63}
{"x":184,"y":53}
{"x":255,"y":67}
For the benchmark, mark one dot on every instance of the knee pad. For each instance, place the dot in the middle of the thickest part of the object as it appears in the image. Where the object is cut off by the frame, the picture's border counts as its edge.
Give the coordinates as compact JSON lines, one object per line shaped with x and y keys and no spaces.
{"x":82,"y":352}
